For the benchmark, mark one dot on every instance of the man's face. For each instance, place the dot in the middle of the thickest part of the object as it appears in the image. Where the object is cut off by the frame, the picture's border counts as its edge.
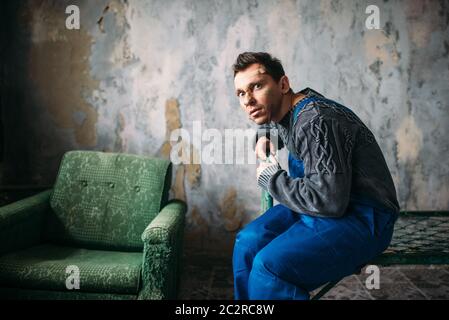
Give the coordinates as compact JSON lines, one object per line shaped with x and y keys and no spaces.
{"x":259,"y":95}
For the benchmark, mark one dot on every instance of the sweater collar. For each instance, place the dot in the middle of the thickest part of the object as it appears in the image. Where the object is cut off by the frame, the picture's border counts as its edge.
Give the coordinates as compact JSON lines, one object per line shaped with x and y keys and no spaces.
{"x":308,"y":93}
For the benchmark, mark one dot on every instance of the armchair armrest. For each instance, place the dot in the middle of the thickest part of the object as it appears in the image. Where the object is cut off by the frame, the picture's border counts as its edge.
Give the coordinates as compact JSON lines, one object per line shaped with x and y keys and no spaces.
{"x":162,"y":249}
{"x":21,"y":222}
{"x":164,"y":225}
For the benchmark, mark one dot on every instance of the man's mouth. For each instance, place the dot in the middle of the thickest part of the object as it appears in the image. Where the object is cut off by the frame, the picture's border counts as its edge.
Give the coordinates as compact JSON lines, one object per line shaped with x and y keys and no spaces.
{"x":255,"y":112}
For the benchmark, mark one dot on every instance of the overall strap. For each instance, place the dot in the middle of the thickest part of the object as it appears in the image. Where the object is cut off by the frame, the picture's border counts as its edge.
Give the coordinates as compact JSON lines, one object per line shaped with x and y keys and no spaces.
{"x":301,"y":106}
{"x":304,"y":102}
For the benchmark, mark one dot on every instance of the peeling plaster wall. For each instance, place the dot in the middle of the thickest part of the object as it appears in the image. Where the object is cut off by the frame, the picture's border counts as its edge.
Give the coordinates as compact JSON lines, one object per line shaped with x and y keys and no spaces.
{"x":137,"y":70}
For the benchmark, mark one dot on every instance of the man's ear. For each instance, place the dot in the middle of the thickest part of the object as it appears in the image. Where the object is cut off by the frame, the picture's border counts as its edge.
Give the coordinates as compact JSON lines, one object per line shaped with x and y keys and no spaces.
{"x":285,"y":84}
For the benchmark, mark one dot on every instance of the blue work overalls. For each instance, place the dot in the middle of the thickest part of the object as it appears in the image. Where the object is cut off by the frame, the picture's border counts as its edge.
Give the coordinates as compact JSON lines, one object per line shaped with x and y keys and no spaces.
{"x":284,"y":254}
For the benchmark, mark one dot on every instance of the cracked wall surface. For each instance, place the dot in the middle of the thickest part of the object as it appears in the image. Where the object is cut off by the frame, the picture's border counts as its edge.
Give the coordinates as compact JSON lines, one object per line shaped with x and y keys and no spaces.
{"x":137,"y":70}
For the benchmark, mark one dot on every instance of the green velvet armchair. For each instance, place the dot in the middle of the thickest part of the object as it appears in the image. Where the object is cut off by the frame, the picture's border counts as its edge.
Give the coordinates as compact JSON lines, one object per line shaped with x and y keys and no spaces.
{"x":105,"y":231}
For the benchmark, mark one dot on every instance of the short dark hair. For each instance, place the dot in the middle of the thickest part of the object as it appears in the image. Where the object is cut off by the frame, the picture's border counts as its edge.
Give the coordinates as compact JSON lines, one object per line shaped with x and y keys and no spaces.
{"x":272,"y":65}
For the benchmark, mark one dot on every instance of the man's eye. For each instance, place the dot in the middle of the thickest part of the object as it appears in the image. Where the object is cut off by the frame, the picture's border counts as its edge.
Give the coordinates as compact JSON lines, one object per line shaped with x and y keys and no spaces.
{"x":240,"y":94}
{"x":258,"y":86}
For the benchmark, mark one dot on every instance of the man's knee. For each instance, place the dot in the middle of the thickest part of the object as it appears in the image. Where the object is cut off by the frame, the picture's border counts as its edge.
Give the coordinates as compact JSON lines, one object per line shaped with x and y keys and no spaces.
{"x":248,"y":237}
{"x":258,"y":233}
{"x":264,"y":263}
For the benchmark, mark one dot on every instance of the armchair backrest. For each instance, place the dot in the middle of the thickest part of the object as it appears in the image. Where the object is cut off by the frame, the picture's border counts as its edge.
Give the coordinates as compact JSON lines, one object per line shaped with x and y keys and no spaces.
{"x":106,"y":200}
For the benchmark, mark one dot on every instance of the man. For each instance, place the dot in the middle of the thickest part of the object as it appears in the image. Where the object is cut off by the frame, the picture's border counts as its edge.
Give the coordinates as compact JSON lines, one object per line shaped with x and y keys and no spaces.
{"x":337,"y":206}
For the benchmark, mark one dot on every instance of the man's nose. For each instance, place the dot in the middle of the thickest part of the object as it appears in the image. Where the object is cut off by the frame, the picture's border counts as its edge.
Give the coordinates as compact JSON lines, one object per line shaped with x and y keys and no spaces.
{"x":249,"y":100}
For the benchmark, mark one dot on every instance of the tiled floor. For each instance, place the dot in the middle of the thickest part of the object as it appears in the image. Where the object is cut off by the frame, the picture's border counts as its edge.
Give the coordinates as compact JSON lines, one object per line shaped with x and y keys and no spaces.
{"x":210,"y":277}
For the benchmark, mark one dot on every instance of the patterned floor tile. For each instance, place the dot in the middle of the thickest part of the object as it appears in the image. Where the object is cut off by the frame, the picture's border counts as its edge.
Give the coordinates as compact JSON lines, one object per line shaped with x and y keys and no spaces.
{"x":348,"y":290}
{"x":387,"y":275}
{"x":434,"y":283}
{"x":210,"y":277}
{"x":397,"y":291}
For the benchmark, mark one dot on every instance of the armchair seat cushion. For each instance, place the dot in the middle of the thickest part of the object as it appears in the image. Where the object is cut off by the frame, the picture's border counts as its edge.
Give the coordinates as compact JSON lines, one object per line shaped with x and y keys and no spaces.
{"x":45,"y":266}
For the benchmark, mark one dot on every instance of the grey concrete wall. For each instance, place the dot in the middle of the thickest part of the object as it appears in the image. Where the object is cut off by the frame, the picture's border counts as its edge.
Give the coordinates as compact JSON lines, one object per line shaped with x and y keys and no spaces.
{"x":136,"y":70}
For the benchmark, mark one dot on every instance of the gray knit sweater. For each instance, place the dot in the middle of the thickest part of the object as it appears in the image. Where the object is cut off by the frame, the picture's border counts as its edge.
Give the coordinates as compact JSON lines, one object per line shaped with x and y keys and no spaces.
{"x":341,"y":160}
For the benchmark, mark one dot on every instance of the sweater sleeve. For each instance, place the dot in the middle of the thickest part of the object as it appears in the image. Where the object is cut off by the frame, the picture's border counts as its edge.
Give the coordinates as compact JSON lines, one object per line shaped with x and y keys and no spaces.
{"x":325,"y":148}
